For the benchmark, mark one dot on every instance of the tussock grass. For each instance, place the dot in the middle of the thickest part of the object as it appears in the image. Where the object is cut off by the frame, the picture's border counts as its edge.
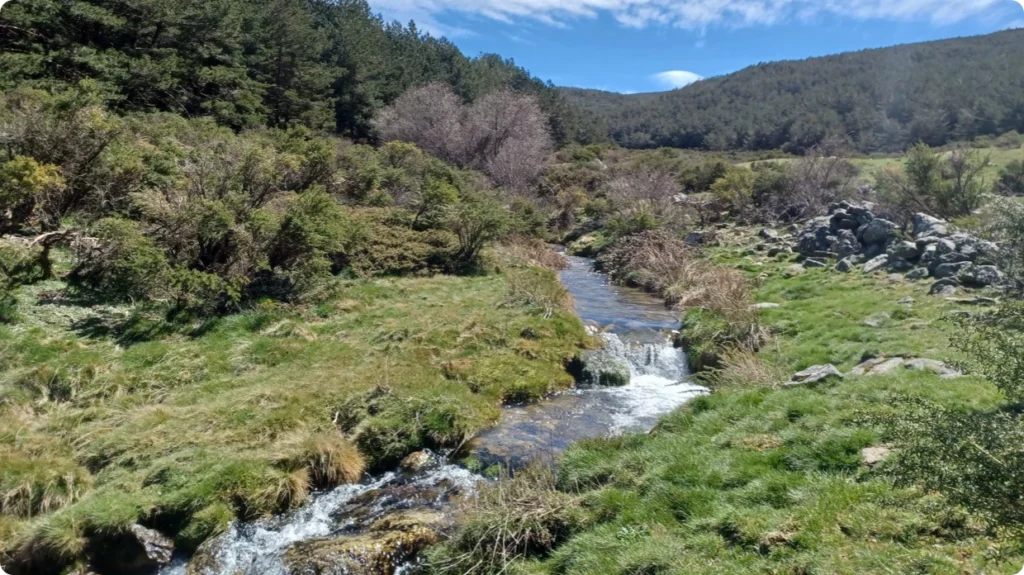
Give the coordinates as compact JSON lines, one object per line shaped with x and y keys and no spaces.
{"x":744,"y":368}
{"x":526,"y":251}
{"x":245,"y":415}
{"x":514,"y":518}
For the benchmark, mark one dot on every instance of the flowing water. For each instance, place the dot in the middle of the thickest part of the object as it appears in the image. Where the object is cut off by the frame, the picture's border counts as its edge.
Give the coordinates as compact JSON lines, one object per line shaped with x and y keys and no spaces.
{"x":635,"y":326}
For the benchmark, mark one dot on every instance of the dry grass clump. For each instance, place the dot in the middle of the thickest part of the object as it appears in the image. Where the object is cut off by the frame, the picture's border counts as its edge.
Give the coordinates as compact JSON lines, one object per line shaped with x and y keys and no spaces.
{"x":538,"y":288}
{"x":661,"y":263}
{"x":509,"y":520}
{"x":526,"y":251}
{"x":328,"y":458}
{"x":742,"y":368}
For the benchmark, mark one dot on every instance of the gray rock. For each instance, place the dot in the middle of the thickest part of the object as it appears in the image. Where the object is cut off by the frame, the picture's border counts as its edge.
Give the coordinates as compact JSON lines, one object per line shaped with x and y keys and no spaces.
{"x":927,"y":241}
{"x":776,"y":251}
{"x":876,"y":264}
{"x":698,"y":238}
{"x":876,"y":231}
{"x":945,"y":291}
{"x":601,"y":367}
{"x":953,"y":258}
{"x":878,"y":366}
{"x":768,"y":234}
{"x":815,"y":374}
{"x":950,"y":270}
{"x":945,"y":247}
{"x":981,"y":276}
{"x":793,"y":270}
{"x":944,"y":283}
{"x":136,"y":552}
{"x":872,"y":456}
{"x":907,"y":300}
{"x":918,"y":274}
{"x":847,"y":264}
{"x":899,"y":265}
{"x":765,"y":305}
{"x":937,"y":367}
{"x":877,"y":320}
{"x":929,"y":254}
{"x":925,"y":225}
{"x":813,"y":263}
{"x":904,"y":250}
{"x":981,"y":301}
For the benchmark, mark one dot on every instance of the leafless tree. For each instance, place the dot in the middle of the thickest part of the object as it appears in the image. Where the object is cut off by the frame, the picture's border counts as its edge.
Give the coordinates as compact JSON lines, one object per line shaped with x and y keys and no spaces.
{"x":648,"y":189}
{"x":504,"y":134}
{"x":823,"y":176}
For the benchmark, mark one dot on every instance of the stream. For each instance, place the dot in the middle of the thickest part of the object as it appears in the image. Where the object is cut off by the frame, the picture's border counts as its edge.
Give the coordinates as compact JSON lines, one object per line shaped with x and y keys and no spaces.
{"x":635,"y":326}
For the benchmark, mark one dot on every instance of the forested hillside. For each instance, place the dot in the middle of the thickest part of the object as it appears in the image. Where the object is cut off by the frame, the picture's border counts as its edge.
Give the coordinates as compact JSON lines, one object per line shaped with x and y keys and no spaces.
{"x":883,"y":100}
{"x":279,"y":63}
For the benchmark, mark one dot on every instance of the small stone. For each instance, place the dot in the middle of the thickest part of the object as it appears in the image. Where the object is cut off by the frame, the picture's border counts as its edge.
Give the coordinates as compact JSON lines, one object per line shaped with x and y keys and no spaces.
{"x":877,"y":320}
{"x":793,"y":270}
{"x":768,"y":234}
{"x":415,"y":462}
{"x":813,"y":263}
{"x":943,"y":283}
{"x":777,"y":251}
{"x":946,"y":291}
{"x":765,"y":305}
{"x":872,"y":456}
{"x":815,"y":374}
{"x":906,"y":301}
{"x":876,"y":264}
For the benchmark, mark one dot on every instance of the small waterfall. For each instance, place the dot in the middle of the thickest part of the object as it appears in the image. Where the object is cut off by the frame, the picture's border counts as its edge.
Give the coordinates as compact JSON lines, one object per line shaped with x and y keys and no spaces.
{"x":258,"y":548}
{"x":657,"y":382}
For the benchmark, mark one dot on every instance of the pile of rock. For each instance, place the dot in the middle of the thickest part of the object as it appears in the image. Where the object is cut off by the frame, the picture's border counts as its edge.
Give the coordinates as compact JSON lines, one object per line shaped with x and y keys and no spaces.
{"x":875,"y":366}
{"x":853,"y":235}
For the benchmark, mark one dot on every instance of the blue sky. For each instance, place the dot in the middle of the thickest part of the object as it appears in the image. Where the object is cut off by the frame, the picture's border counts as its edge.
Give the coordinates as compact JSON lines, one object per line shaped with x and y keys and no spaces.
{"x":650,"y":45}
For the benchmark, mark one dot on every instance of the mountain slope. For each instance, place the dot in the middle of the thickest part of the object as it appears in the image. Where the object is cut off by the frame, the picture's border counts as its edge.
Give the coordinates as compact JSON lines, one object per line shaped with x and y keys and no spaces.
{"x":882,"y":99}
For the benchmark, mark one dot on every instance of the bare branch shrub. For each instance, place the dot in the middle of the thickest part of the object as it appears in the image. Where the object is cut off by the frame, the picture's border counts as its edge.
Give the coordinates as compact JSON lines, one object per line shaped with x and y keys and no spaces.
{"x":645,"y":190}
{"x":824,"y":176}
{"x":505,"y":134}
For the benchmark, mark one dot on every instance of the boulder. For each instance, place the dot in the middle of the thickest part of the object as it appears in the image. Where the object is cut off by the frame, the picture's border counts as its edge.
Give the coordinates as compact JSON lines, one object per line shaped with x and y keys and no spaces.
{"x":925,"y":225}
{"x":138,"y":551}
{"x":601,"y":367}
{"x":937,"y":367}
{"x":904,"y":250}
{"x":929,"y":255}
{"x":847,"y":264}
{"x":899,"y":265}
{"x":877,"y":320}
{"x":945,"y":247}
{"x":950,"y":270}
{"x":981,"y":276}
{"x":872,"y":456}
{"x":876,"y":231}
{"x":953,"y":258}
{"x":918,"y":274}
{"x":878,"y":366}
{"x":815,"y":374}
{"x":876,"y":264}
{"x":390,"y":543}
{"x":947,"y":282}
{"x":946,"y":291}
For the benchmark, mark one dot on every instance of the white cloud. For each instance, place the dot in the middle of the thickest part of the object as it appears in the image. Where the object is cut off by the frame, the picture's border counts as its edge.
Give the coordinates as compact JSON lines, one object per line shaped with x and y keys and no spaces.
{"x":677,"y":78}
{"x":687,"y":14}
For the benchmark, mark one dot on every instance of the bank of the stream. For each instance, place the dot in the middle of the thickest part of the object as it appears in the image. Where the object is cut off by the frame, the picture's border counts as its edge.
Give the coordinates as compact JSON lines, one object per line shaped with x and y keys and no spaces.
{"x":757,"y":478}
{"x":112,"y":418}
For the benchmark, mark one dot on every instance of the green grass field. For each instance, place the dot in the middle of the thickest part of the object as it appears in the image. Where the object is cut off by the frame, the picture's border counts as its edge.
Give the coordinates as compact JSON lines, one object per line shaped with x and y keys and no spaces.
{"x":757,"y":479}
{"x":108,"y":418}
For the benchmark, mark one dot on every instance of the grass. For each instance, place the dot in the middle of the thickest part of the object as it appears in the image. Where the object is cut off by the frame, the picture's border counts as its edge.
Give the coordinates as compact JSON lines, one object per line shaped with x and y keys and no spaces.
{"x":758,"y":479}
{"x":104,"y":424}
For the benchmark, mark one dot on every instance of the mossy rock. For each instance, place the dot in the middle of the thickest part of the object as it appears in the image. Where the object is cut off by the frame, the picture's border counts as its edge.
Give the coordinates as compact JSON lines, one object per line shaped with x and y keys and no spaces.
{"x":600,"y":367}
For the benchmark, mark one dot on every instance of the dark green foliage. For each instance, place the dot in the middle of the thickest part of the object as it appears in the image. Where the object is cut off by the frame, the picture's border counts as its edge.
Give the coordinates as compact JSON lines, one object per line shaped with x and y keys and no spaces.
{"x":948,"y":186}
{"x":124,"y":264}
{"x":277,"y":63}
{"x":883,"y":100}
{"x":1011,"y":179}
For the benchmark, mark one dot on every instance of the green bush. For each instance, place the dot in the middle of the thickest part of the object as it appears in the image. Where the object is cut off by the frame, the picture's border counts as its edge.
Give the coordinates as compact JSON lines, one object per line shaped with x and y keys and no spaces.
{"x":1011,"y":179}
{"x":123,"y":264}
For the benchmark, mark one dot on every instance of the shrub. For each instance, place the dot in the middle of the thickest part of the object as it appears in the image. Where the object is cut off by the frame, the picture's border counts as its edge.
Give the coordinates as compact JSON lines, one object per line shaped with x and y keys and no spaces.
{"x":822,"y":177}
{"x":516,"y":518}
{"x":948,"y":186}
{"x":122,"y":263}
{"x":24,"y":184}
{"x":1011,"y":179}
{"x":476,"y":220}
{"x":708,"y":336}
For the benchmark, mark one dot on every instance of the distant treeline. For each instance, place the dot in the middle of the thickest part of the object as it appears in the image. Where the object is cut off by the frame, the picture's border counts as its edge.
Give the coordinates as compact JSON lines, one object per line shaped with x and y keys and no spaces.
{"x":881,"y":100}
{"x":324,"y":64}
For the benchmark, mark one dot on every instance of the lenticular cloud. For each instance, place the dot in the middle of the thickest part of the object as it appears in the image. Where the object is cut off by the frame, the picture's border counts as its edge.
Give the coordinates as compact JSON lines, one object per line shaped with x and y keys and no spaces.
{"x":688,"y":14}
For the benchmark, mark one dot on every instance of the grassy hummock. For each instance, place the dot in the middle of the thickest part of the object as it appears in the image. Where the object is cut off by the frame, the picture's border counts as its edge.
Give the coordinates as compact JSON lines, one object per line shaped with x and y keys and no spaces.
{"x":110,"y":417}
